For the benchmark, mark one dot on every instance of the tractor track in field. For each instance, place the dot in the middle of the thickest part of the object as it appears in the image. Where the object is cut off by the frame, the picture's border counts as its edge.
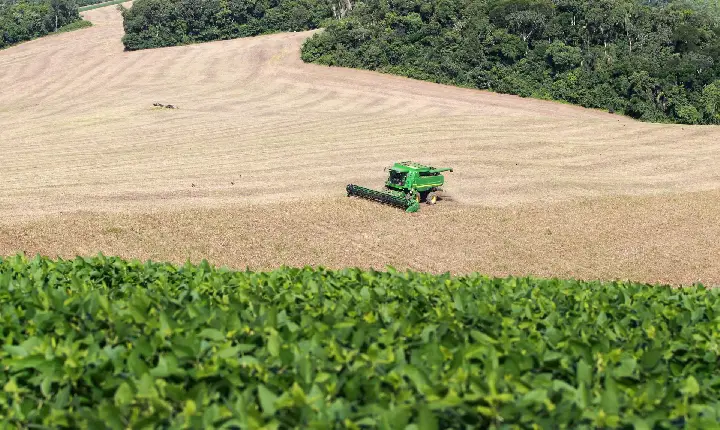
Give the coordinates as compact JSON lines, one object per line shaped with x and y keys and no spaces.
{"x":251,"y":169}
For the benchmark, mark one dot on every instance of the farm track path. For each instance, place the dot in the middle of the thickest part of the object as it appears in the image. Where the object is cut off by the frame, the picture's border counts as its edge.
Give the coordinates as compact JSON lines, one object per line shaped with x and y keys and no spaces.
{"x":251,"y":169}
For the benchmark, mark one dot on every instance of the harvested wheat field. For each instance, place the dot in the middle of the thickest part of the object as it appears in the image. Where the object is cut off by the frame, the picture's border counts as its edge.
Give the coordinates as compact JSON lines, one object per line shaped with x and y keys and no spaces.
{"x":251,"y":170}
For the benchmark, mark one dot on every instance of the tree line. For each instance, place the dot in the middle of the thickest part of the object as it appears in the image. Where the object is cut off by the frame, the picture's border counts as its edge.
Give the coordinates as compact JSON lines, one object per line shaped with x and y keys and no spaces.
{"x":160,"y":23}
{"x":656,"y":61}
{"x":22,"y":20}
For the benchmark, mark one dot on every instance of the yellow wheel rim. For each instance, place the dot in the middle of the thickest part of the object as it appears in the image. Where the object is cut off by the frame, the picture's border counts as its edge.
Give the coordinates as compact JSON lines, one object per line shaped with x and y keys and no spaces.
{"x":433,"y":199}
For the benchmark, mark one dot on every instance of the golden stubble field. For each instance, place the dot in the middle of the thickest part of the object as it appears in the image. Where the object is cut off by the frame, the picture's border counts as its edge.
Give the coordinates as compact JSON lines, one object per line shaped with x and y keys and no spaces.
{"x":251,"y":170}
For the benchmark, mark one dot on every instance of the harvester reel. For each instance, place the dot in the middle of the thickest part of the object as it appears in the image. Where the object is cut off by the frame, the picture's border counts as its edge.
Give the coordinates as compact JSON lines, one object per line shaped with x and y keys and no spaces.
{"x":388,"y":197}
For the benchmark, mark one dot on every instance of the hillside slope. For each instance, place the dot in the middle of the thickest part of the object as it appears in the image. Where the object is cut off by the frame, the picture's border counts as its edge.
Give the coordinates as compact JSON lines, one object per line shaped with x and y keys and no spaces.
{"x":257,"y":130}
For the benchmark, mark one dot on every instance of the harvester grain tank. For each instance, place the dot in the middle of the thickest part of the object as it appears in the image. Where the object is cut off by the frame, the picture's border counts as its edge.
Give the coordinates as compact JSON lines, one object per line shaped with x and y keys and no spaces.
{"x":407,"y":185}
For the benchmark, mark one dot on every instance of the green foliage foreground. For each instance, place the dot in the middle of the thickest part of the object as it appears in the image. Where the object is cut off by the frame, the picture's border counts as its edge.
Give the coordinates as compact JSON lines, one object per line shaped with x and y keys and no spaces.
{"x":103,"y":342}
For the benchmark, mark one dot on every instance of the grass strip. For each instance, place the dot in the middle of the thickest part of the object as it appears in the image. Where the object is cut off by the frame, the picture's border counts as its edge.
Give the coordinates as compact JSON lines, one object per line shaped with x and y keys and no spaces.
{"x":99,"y":5}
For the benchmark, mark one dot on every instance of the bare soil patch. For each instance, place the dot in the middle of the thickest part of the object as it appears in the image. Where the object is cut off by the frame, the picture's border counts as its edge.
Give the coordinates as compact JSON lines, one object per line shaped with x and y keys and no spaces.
{"x":251,"y":168}
{"x":651,"y":239}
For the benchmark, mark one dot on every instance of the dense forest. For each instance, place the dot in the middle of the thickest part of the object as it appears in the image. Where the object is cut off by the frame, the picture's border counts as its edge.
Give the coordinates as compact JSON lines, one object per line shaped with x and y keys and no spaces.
{"x":159,"y":23}
{"x":652,"y":60}
{"x":28,"y":19}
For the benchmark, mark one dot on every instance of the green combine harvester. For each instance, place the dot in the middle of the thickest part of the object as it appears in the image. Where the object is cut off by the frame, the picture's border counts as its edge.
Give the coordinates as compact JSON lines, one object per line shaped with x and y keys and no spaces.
{"x":407,"y":185}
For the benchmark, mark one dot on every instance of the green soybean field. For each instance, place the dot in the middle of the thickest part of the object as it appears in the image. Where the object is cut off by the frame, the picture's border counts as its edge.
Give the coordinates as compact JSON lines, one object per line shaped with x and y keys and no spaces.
{"x":104,"y":342}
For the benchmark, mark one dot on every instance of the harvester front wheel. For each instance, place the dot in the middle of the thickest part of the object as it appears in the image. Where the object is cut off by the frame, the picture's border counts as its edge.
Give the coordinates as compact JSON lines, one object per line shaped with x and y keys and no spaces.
{"x":431,"y":199}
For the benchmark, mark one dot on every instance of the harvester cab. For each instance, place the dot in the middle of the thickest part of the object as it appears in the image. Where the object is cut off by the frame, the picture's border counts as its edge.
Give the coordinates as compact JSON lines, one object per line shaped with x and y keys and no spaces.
{"x":407,"y":185}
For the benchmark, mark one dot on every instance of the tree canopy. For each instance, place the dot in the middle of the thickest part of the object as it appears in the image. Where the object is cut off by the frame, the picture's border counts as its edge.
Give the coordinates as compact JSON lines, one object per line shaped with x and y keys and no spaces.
{"x":655,"y":60}
{"x":652,"y":60}
{"x":160,"y":23}
{"x":28,"y":19}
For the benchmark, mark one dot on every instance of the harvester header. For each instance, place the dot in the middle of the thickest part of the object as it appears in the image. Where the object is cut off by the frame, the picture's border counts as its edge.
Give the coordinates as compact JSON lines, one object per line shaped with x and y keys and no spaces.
{"x":407,"y":185}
